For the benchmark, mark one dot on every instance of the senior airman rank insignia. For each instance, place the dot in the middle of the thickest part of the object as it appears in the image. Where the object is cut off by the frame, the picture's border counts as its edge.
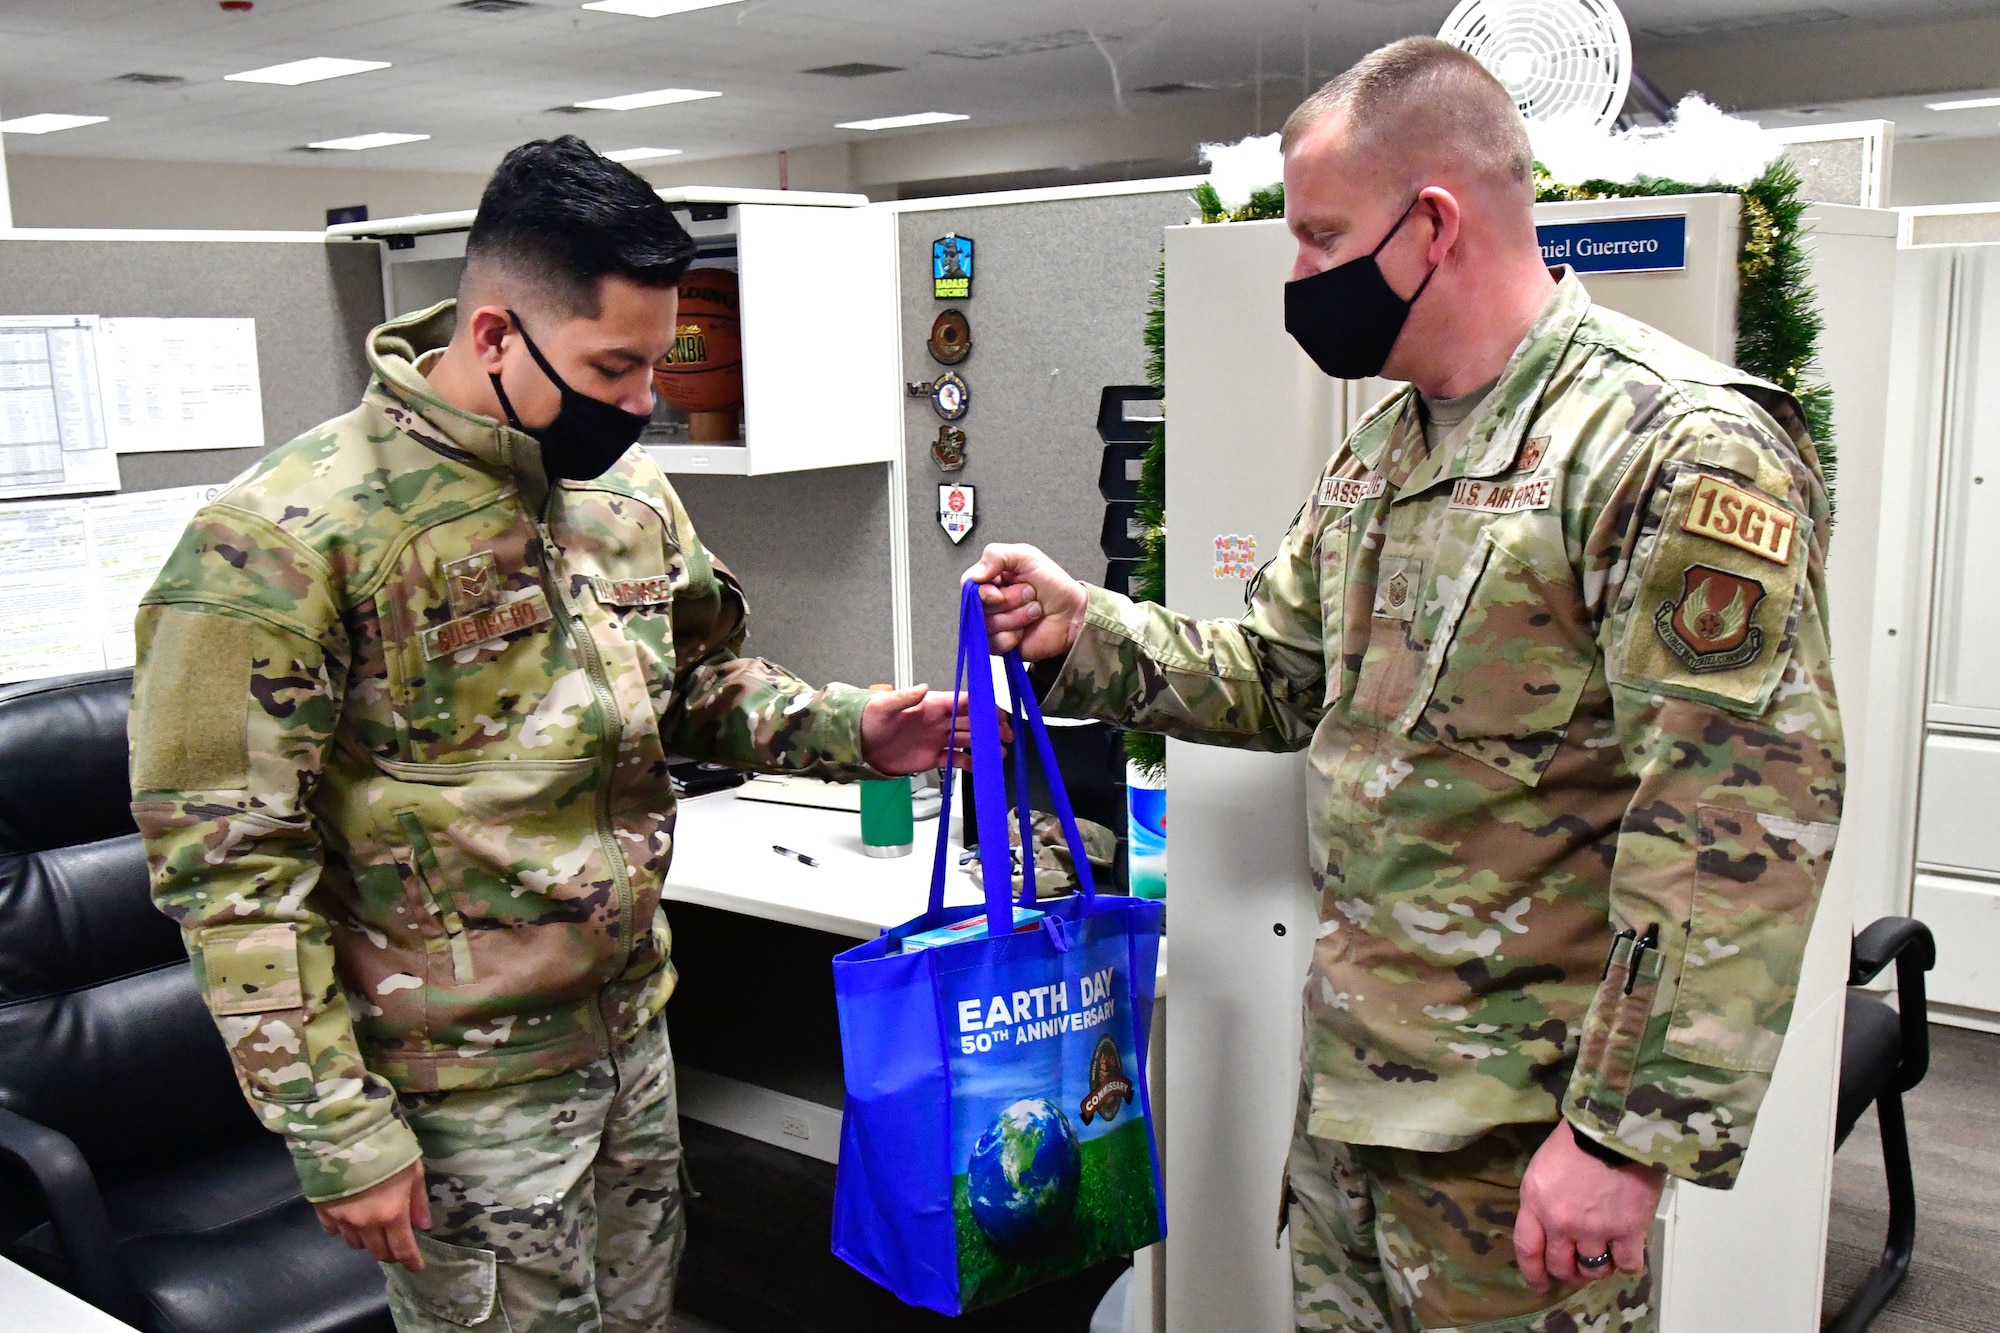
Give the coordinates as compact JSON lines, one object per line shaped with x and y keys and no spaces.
{"x":472,"y":583}
{"x":1709,"y":628}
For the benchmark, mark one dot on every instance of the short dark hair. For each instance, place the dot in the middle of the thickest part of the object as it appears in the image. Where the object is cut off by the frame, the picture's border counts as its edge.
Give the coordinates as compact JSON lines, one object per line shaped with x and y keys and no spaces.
{"x":558,"y":217}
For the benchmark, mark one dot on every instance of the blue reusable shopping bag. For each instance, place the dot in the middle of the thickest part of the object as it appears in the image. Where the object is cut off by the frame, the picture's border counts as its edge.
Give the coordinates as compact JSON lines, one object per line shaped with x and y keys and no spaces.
{"x":998,"y":1131}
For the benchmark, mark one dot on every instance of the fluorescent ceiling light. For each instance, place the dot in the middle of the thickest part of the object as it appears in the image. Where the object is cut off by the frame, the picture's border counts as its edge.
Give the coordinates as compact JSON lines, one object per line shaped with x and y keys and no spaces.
{"x":1964,"y":104}
{"x":654,"y":9}
{"x":48,"y":122}
{"x":901,"y":122}
{"x":306,"y":71}
{"x":633,"y":101}
{"x":641,"y":154}
{"x":356,"y":142}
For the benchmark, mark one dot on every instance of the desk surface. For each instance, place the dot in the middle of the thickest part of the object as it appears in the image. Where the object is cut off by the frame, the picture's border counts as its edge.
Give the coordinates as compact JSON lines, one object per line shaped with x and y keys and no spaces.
{"x":723,"y":858}
{"x":33,"y":1306}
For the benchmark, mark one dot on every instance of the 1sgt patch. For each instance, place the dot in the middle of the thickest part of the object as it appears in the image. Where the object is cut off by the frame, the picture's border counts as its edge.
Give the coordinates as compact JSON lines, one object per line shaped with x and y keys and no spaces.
{"x":1714,"y":609}
{"x":1733,"y":515}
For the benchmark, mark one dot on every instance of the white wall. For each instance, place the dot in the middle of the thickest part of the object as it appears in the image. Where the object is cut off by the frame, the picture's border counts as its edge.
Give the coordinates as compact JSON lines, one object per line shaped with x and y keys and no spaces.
{"x":108,"y":192}
{"x":1945,"y":171}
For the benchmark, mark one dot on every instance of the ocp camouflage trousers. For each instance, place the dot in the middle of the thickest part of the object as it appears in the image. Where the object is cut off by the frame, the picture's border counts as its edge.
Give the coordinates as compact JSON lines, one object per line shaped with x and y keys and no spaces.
{"x":1386,"y":1240}
{"x":555,"y":1205}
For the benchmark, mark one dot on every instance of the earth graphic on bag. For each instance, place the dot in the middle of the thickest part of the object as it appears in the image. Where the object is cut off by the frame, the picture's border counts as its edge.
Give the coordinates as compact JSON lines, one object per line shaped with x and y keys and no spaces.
{"x":1023,"y":1176}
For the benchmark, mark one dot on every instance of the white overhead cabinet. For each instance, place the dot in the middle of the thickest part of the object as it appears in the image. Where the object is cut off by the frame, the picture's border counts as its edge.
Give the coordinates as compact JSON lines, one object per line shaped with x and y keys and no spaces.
{"x":817,"y":283}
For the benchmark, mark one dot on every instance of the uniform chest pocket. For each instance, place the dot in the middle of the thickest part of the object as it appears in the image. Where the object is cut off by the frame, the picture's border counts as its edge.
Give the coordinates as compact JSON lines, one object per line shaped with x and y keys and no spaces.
{"x":1506,"y":667}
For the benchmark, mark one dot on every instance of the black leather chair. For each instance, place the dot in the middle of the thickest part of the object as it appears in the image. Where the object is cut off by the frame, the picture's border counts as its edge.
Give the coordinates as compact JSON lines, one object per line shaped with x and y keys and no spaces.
{"x":131,"y":1171}
{"x":1884,"y":1053}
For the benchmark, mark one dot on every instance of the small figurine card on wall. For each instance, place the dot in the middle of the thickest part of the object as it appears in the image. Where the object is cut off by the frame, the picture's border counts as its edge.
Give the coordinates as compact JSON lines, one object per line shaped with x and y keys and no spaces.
{"x":955,"y":512}
{"x":951,"y":267}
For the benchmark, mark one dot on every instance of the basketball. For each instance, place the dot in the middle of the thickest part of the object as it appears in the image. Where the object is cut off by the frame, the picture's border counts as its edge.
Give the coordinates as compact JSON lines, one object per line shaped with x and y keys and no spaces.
{"x":704,"y":372}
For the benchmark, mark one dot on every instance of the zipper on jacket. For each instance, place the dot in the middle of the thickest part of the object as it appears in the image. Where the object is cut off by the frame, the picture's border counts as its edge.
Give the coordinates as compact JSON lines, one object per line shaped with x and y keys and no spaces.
{"x":423,"y":864}
{"x":593,"y":668}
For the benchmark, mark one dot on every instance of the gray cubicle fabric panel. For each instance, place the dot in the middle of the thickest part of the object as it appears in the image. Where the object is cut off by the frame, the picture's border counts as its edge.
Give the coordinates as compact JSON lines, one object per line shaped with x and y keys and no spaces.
{"x":1058,"y":311}
{"x":812,"y":552}
{"x":313,"y":304}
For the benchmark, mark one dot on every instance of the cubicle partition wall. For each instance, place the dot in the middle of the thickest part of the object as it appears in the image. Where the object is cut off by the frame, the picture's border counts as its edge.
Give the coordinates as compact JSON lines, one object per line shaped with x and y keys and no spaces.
{"x":1057,"y":311}
{"x":314,"y":301}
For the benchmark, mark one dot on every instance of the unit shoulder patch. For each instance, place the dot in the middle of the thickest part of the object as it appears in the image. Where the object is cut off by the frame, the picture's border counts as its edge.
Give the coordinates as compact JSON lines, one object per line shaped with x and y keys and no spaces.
{"x":1740,"y":518}
{"x":1709,"y":627}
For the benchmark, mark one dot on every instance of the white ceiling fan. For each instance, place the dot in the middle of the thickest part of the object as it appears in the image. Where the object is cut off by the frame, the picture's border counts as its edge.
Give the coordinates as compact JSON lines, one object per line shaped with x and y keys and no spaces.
{"x":1562,"y":60}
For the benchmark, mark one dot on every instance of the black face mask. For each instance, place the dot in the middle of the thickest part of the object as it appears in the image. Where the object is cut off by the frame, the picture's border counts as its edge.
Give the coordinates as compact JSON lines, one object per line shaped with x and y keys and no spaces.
{"x":587,"y":435}
{"x":1348,"y":318}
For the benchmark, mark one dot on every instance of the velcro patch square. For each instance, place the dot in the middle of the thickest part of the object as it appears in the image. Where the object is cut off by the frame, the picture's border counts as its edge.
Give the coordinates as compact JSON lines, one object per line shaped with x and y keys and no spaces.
{"x":1744,"y":520}
{"x":252,"y":968}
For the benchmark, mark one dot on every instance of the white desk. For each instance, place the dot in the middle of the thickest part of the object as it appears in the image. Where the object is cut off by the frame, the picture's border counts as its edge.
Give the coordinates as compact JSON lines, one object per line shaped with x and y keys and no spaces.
{"x":31,"y":1305}
{"x":723,"y":859}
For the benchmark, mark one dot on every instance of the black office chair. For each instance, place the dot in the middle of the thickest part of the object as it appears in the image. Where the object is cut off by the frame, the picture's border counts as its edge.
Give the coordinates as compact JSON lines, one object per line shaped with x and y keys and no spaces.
{"x":1884,"y":1054}
{"x":131,"y":1171}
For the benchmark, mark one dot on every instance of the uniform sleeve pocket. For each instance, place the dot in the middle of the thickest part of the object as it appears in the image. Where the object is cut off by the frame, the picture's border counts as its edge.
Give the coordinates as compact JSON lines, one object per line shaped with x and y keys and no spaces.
{"x":458,"y":1285}
{"x":1757,"y":880}
{"x":1510,"y":662}
{"x":251,"y":976}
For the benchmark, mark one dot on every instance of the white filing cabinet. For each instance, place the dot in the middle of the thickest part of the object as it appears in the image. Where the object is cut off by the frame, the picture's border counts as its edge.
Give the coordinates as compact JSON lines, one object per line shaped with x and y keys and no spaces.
{"x":1250,"y":423}
{"x":817,"y":275}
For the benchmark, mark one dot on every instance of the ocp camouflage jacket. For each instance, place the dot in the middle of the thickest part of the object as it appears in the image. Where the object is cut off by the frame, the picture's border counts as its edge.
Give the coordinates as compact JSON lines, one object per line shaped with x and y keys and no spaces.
{"x":1566,"y":691}
{"x":400,"y":737}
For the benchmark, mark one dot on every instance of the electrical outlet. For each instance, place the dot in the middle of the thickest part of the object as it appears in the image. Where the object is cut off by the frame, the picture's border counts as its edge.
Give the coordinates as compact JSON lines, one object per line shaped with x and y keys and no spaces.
{"x":795,"y":1127}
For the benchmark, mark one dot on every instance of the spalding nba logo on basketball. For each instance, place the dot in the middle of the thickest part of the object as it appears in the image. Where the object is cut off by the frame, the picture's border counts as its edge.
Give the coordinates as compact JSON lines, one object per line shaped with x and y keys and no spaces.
{"x":704,"y":371}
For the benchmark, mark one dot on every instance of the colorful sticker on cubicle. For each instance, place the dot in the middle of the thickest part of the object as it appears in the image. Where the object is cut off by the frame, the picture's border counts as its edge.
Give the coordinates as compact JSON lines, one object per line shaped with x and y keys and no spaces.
{"x":1616,"y":245}
{"x":951,"y":267}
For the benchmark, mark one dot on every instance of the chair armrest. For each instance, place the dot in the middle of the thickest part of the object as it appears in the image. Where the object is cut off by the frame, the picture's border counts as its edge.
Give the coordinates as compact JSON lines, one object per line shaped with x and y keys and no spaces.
{"x":1890,"y":940}
{"x":76,"y":1209}
{"x":1908,"y":943}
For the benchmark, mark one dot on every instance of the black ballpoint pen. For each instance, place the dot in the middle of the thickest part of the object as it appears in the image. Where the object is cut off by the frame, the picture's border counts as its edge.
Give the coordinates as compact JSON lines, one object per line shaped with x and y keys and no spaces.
{"x":800,"y":857}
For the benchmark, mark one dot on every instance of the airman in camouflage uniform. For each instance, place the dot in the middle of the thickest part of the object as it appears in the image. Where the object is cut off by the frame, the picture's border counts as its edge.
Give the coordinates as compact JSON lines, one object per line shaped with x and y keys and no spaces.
{"x":400,"y":735}
{"x":1575,"y":776}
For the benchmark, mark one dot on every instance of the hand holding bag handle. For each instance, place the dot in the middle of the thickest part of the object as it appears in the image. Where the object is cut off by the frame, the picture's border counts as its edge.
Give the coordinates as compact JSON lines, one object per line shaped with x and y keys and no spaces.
{"x":974,"y":684}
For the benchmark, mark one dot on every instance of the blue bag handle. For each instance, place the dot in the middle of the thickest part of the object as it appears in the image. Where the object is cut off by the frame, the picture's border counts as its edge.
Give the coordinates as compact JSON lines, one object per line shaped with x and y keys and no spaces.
{"x":974,"y":683}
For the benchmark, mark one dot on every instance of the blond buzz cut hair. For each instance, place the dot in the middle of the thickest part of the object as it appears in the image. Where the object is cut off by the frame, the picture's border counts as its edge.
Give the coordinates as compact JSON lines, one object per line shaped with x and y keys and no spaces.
{"x":1419,"y":104}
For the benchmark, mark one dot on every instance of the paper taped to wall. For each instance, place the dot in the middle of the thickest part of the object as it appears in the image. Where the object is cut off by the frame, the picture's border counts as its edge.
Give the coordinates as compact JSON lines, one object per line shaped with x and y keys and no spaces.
{"x":180,"y":384}
{"x":52,"y":436}
{"x":72,"y":573}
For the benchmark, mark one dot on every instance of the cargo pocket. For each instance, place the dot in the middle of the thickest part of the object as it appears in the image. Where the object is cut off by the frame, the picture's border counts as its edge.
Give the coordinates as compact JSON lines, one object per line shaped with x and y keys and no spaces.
{"x":1756,"y":885}
{"x":1508,"y":664}
{"x":459,"y":1288}
{"x":436,"y":901}
{"x":250,"y":974}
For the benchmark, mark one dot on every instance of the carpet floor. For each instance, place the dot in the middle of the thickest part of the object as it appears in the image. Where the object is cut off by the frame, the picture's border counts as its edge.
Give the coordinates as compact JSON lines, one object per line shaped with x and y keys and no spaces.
{"x":1954,"y":1120}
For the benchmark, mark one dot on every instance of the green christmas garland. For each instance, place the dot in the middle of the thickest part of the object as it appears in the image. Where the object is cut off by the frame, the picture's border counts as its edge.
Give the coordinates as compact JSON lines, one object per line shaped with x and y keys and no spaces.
{"x":1777,"y":320}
